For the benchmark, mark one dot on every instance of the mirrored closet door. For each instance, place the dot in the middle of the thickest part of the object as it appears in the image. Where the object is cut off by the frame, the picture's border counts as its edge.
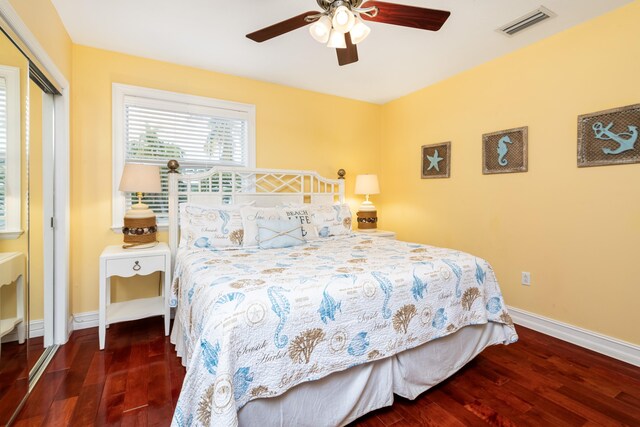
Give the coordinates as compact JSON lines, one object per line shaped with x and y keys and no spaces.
{"x":26,"y":237}
{"x":14,"y":234}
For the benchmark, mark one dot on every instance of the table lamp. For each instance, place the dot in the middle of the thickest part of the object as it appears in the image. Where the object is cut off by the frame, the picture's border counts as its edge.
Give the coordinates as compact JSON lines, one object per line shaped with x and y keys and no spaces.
{"x":140,"y":222}
{"x":367,"y":215}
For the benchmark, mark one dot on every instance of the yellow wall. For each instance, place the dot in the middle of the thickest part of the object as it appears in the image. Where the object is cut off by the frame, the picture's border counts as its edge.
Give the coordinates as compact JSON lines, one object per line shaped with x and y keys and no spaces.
{"x":576,"y":230}
{"x":295,"y":129}
{"x":44,"y":22}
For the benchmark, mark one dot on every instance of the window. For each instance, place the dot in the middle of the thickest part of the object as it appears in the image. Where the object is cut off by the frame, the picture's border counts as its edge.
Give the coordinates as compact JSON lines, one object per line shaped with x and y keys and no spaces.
{"x":153,"y":126}
{"x":10,"y":152}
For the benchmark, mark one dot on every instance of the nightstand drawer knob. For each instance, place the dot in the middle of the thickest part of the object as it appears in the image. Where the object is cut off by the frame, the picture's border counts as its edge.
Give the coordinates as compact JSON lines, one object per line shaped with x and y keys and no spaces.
{"x":137,"y":266}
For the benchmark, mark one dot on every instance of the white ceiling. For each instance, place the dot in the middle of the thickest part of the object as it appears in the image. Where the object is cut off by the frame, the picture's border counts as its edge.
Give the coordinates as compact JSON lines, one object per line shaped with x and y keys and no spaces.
{"x":394,"y":61}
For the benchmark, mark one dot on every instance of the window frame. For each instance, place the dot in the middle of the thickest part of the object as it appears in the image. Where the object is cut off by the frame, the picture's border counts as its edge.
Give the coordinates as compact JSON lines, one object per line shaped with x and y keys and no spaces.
{"x":158,"y":97}
{"x":12,"y":195}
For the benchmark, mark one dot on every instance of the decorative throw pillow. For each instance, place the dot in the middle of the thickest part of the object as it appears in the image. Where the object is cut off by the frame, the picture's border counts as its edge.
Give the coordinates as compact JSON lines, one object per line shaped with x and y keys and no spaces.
{"x":250,"y":215}
{"x":302,"y":214}
{"x":279,"y":233}
{"x":210,"y":226}
{"x":330,"y":220}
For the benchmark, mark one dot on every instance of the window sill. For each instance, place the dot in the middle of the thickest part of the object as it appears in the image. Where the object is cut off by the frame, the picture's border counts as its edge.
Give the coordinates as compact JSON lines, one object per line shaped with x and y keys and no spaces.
{"x":10,"y":234}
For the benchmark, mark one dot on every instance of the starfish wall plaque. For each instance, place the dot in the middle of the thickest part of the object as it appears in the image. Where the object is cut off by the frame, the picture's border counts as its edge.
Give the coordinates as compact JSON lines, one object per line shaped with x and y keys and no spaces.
{"x":436,"y":160}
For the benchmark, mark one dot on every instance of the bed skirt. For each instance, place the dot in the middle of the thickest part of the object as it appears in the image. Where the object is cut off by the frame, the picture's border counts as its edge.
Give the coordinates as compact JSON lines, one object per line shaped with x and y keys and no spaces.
{"x":342,"y":397}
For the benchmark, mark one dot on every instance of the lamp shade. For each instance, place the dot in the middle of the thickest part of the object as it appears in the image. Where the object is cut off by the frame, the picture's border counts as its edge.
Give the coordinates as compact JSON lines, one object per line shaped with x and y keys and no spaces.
{"x":321,"y":29}
{"x":343,"y":19}
{"x":139,"y":178}
{"x":367,"y":184}
{"x":359,"y":31}
{"x":336,"y":40}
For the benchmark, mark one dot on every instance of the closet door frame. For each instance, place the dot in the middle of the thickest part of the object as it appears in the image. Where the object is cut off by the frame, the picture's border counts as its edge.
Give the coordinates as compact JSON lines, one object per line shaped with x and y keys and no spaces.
{"x":48,"y":213}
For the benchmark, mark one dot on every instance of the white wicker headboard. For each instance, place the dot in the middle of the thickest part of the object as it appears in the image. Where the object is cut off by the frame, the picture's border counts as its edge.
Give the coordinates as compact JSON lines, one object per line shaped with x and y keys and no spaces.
{"x":229,"y":185}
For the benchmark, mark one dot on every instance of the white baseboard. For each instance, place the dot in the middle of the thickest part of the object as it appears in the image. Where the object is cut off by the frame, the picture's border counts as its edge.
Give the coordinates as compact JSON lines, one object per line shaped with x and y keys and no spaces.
{"x":88,"y":319}
{"x":603,"y":344}
{"x":69,"y":327}
{"x":36,"y":329}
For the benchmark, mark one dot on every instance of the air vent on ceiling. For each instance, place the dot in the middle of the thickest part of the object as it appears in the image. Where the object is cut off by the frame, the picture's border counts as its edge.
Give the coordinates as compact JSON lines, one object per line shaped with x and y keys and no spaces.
{"x":526,"y":21}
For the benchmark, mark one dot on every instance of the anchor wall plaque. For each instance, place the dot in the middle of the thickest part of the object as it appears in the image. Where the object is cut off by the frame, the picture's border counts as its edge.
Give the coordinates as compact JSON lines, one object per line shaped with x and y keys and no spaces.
{"x":505,"y":151}
{"x":609,"y":137}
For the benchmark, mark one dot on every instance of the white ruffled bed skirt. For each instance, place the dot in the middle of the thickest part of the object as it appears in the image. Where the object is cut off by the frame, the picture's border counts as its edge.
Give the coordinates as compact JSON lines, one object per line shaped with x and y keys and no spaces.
{"x":340,"y":398}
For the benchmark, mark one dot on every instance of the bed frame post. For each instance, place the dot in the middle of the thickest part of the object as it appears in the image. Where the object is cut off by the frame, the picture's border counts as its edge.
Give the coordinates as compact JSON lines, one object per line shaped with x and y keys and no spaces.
{"x":173,"y":207}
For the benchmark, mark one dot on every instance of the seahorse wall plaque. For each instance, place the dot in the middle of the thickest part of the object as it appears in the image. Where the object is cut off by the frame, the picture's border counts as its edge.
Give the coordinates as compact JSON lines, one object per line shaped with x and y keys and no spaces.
{"x":436,"y":160}
{"x":505,"y":151}
{"x":609,"y":137}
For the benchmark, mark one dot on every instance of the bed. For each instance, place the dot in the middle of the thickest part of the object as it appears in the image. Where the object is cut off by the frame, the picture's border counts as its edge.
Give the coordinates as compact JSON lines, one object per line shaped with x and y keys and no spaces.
{"x":321,"y":331}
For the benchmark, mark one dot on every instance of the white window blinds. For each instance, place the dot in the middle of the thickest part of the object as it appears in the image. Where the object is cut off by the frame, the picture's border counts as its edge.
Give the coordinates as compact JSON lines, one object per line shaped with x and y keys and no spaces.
{"x":3,"y":152}
{"x":10,"y":145}
{"x":152,"y":127}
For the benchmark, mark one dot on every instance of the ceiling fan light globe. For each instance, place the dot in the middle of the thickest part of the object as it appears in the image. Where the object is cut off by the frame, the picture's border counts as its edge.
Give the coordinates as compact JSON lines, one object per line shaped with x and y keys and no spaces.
{"x":321,"y":29}
{"x":343,"y":19}
{"x":359,"y":32}
{"x":336,"y":40}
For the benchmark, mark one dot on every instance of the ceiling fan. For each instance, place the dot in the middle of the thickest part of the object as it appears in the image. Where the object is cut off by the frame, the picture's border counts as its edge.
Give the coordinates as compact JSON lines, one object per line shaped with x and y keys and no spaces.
{"x":340,"y":24}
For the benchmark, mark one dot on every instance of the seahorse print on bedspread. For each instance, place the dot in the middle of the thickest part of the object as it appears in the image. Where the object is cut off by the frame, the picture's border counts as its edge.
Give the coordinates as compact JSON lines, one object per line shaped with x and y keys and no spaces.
{"x":225,"y":220}
{"x":458,"y":272}
{"x":281,"y":307}
{"x":387,"y":288}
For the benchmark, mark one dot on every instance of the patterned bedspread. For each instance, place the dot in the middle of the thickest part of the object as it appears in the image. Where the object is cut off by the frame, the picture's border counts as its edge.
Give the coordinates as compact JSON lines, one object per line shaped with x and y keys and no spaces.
{"x":257,"y":322}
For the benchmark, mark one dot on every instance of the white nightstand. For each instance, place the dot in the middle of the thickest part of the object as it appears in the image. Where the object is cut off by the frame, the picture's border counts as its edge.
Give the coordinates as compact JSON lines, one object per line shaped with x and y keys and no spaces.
{"x":116,"y":261}
{"x":379,"y":233}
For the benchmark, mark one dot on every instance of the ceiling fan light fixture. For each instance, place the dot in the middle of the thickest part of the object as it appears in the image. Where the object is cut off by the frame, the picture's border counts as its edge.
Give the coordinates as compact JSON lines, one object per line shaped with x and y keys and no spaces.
{"x":336,"y":40}
{"x":359,"y":32}
{"x":321,"y":29}
{"x":343,"y":19}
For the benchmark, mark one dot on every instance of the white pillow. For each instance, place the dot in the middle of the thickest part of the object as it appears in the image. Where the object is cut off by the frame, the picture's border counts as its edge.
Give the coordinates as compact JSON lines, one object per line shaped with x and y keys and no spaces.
{"x":210,"y":226}
{"x":250,"y":215}
{"x":302,"y":214}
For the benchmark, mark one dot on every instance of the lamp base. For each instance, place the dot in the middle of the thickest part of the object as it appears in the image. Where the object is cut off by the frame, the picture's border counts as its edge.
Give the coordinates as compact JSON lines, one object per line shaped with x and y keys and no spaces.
{"x":367,"y":220}
{"x":139,"y":231}
{"x":367,"y":206}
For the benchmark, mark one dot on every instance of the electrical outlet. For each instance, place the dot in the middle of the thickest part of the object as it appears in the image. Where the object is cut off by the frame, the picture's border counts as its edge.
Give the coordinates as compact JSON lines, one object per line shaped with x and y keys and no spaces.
{"x":526,"y":278}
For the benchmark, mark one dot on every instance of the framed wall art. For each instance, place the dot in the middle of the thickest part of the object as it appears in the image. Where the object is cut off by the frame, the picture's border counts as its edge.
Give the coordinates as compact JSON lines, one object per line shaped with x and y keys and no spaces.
{"x":505,"y":151}
{"x":609,"y":137}
{"x":436,"y":160}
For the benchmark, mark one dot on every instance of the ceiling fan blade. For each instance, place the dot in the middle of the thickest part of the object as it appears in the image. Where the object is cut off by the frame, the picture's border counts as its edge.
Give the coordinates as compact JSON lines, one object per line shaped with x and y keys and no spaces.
{"x":283,"y":27}
{"x":348,"y":55}
{"x":407,"y":16}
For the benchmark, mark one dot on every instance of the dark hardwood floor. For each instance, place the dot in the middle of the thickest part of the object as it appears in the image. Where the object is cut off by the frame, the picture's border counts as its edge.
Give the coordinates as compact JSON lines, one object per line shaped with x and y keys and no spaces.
{"x":539,"y":381}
